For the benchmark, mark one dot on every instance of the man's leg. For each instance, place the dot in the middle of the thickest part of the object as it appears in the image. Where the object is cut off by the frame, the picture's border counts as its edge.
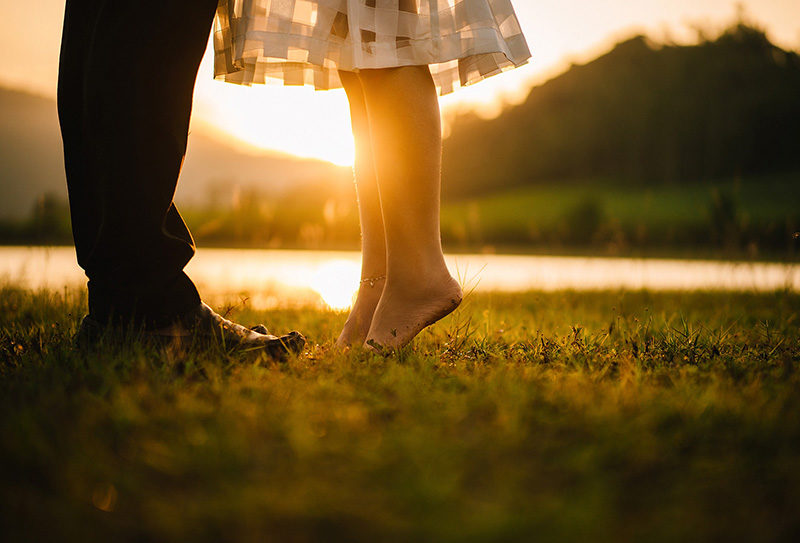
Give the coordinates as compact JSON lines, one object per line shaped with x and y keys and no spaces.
{"x":126,"y":87}
{"x":126,"y":79}
{"x":80,"y":18}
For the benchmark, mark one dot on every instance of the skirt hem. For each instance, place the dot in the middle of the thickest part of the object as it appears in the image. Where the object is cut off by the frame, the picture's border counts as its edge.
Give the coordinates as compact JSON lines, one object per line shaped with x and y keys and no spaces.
{"x":263,"y":58}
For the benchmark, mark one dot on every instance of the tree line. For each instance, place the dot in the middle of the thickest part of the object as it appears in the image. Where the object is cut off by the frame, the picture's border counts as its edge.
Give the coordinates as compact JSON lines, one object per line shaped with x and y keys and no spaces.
{"x":642,"y":114}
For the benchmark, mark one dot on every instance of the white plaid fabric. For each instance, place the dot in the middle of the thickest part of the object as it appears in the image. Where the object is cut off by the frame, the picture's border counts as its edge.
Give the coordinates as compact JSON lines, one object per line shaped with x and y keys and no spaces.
{"x":305,"y":42}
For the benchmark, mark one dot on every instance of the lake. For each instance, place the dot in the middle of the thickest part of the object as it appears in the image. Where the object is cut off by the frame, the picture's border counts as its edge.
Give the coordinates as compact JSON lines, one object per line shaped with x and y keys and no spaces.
{"x":270,"y":278}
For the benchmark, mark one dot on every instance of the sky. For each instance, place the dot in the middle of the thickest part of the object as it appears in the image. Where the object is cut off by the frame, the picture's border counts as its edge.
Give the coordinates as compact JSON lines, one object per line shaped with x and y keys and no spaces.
{"x":316,"y":124}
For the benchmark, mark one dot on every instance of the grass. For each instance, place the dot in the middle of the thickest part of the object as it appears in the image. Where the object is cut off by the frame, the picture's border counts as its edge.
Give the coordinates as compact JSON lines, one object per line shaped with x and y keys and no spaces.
{"x":538,"y":416}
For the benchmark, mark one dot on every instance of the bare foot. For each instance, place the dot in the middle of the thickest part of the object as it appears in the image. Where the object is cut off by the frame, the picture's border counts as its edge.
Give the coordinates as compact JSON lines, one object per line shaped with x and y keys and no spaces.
{"x":405,"y":310}
{"x":360,"y":317}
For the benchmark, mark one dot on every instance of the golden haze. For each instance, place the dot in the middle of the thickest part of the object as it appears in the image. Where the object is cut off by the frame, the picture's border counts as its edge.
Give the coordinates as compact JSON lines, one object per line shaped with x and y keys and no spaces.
{"x":308,"y":124}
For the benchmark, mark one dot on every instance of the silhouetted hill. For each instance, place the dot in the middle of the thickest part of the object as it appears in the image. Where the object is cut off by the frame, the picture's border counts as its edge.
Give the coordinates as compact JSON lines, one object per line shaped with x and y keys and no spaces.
{"x":30,"y":152}
{"x":31,"y":162}
{"x":642,"y":113}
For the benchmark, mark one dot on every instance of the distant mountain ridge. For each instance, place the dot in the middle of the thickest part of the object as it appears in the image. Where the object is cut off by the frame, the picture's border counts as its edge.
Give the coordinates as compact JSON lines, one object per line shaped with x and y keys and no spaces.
{"x":643,"y":113}
{"x":31,"y":162}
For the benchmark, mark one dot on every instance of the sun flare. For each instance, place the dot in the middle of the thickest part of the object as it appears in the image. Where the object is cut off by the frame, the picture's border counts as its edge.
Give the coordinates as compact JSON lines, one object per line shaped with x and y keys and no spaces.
{"x":293,"y":120}
{"x":315,"y":124}
{"x":336,"y":282}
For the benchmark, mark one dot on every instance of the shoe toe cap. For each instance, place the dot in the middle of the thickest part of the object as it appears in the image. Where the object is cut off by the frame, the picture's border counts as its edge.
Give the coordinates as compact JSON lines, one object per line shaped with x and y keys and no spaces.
{"x":294,"y":340}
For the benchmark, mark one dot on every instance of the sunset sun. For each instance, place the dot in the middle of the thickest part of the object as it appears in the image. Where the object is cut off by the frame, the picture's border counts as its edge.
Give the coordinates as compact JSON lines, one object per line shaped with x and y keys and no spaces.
{"x":292,"y":120}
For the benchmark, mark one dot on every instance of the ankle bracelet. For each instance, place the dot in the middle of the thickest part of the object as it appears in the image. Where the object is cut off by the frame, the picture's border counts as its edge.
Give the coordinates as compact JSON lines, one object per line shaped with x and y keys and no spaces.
{"x":372,"y":280}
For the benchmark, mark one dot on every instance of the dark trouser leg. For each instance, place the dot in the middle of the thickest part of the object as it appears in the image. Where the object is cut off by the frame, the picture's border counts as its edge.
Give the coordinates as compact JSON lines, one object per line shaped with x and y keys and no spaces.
{"x":80,"y":19}
{"x":126,"y":79}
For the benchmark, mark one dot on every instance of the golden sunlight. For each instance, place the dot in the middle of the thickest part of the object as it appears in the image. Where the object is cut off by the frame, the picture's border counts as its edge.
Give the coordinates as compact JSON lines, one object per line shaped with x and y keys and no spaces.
{"x":310,"y":124}
{"x":337,"y":281}
{"x":294,"y":120}
{"x":268,"y":117}
{"x":316,"y":124}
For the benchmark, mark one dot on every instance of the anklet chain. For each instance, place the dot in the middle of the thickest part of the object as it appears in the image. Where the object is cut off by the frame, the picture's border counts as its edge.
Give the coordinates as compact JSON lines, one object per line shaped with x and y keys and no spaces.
{"x":372,"y":280}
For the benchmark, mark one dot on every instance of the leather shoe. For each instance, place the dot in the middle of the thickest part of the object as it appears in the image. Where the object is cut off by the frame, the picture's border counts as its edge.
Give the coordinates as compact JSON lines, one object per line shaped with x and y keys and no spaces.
{"x":203,"y":323}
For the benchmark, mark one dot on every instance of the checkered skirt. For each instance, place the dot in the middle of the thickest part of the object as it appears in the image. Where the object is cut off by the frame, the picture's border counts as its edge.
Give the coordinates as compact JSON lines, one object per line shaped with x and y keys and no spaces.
{"x":306,"y":42}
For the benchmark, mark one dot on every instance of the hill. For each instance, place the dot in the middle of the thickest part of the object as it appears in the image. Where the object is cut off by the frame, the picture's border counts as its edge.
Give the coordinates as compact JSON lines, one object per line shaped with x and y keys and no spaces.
{"x":30,"y":152}
{"x":642,"y":114}
{"x":32,"y":163}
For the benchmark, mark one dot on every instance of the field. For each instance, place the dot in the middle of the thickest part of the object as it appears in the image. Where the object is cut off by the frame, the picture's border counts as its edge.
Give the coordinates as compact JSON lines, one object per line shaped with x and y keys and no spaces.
{"x":754,"y":217}
{"x":630,"y":416}
{"x":750,"y":218}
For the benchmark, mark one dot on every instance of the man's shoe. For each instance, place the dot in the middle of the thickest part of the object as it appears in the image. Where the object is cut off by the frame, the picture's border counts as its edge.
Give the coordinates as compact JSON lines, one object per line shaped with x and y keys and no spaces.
{"x":203,"y":323}
{"x":89,"y":333}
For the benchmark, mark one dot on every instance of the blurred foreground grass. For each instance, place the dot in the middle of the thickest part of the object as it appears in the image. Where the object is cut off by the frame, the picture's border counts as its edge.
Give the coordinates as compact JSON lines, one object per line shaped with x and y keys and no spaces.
{"x":536,"y":416}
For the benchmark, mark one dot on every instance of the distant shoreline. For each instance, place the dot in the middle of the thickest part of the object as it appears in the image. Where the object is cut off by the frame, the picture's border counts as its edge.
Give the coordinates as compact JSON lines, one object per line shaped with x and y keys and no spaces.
{"x":511,"y":250}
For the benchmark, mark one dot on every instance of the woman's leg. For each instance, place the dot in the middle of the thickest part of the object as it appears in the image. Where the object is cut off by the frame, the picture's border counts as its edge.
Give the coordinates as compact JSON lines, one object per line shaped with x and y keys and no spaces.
{"x":373,"y":237}
{"x":405,"y":127}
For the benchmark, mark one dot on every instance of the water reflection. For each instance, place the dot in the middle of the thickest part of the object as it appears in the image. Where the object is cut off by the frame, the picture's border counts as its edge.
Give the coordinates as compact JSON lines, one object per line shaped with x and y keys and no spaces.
{"x":278,"y":278}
